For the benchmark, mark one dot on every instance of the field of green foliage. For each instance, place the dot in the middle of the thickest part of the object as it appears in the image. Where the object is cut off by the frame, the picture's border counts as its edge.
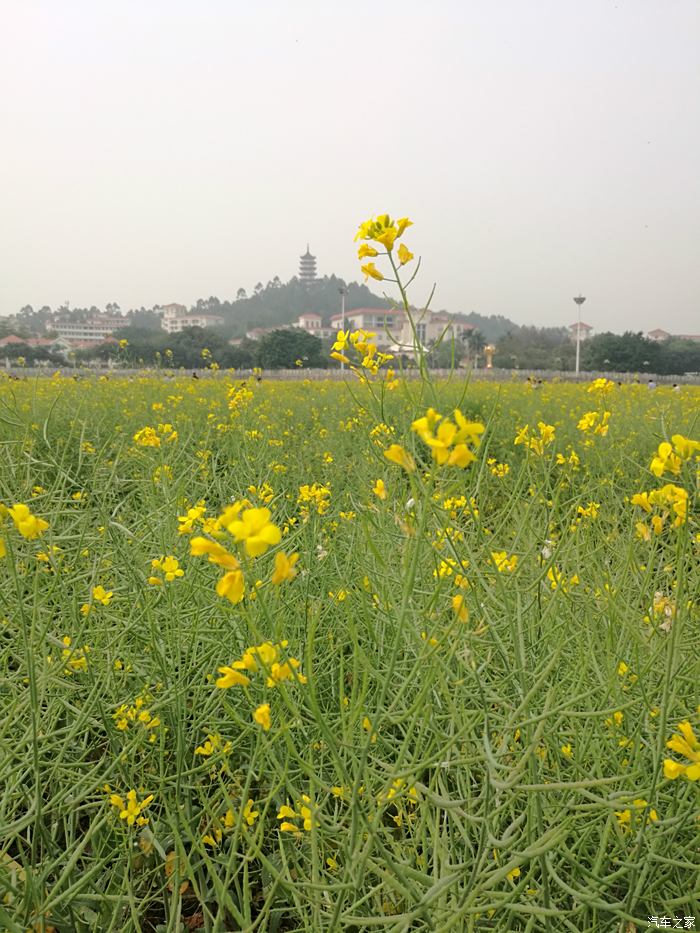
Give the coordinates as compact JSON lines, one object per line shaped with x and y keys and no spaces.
{"x":365,"y":656}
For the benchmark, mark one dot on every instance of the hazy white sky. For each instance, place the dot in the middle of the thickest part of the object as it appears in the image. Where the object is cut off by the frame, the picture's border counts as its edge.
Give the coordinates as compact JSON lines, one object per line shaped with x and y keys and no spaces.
{"x":155,"y":151}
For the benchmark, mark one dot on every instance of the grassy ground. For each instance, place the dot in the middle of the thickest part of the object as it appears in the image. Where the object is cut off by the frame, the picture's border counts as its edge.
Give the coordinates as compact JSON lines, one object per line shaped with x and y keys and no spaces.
{"x":492,"y":659}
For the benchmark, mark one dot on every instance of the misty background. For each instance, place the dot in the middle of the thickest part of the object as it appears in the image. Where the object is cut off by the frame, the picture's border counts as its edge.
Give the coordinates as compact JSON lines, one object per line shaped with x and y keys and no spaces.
{"x":162,"y":152}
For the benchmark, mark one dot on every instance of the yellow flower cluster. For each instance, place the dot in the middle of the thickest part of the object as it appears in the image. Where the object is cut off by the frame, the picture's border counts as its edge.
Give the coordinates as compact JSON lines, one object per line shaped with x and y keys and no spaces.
{"x":74,"y":659}
{"x":254,"y":530}
{"x":595,"y":421}
{"x":304,"y":812}
{"x":449,"y":442}
{"x":263,"y":493}
{"x":150,"y":437}
{"x":238,"y":397}
{"x":398,"y":787}
{"x":367,"y":354}
{"x":267,"y":659}
{"x":537,"y":443}
{"x":317,"y":495}
{"x":131,"y":809}
{"x":503,"y":563}
{"x":263,"y":659}
{"x":195,"y":516}
{"x":601,"y":385}
{"x":669,"y":457}
{"x":136,"y":714}
{"x":685,"y":744}
{"x":220,"y":827}
{"x":588,"y":511}
{"x":670,"y":500}
{"x":501,"y":470}
{"x":169,"y":567}
{"x":213,"y":745}
{"x":100,"y":596}
{"x":558,"y":580}
{"x":384,"y":231}
{"x":631,"y":814}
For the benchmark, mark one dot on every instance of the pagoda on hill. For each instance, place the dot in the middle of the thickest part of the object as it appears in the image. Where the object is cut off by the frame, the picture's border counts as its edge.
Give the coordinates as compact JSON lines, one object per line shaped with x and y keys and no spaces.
{"x":307,"y":267}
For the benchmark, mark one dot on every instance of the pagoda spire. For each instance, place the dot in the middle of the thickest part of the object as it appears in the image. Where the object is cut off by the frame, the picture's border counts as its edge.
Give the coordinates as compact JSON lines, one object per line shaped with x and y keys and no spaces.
{"x":307,"y":266}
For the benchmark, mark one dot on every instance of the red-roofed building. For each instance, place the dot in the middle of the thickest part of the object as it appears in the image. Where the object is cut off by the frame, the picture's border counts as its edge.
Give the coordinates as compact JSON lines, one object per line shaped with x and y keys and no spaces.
{"x":659,"y":335}
{"x":57,"y":344}
{"x":586,"y":330}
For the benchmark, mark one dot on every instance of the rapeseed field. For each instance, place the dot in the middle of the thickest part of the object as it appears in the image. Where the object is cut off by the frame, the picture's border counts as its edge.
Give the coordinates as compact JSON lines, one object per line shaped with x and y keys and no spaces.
{"x":387,"y":654}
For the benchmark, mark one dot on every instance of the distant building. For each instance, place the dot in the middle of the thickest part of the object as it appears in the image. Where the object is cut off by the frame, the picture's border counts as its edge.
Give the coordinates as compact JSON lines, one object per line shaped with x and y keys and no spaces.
{"x":176,"y":319}
{"x":386,"y":324}
{"x":313,"y":324}
{"x":55,"y":344}
{"x":307,"y":267}
{"x":94,"y":329}
{"x":173,"y":309}
{"x":586,"y":330}
{"x":394,"y":332}
{"x":59,"y":346}
{"x":660,"y":335}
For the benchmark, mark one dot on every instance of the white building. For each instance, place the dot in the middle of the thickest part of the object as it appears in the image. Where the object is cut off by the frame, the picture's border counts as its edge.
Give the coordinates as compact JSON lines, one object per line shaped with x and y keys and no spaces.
{"x":175,"y":319}
{"x":94,"y":329}
{"x":386,"y":325}
{"x":393,"y":330}
{"x":313,"y":324}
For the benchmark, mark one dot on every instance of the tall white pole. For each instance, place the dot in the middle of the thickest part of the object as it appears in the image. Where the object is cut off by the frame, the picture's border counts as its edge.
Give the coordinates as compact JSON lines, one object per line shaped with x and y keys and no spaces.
{"x":342,"y":316}
{"x":579,"y":301}
{"x":578,"y":342}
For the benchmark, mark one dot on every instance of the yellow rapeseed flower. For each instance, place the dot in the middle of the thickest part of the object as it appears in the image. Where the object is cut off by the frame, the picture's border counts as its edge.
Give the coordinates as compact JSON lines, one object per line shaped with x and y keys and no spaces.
{"x":405,"y":255}
{"x":284,"y":568}
{"x":262,"y":716}
{"x":231,"y":586}
{"x":216,"y":553}
{"x":131,"y":809}
{"x":379,"y":489}
{"x":685,"y":744}
{"x":396,"y":454}
{"x":371,"y":271}
{"x":231,"y":678}
{"x":27,"y":524}
{"x":256,"y":530}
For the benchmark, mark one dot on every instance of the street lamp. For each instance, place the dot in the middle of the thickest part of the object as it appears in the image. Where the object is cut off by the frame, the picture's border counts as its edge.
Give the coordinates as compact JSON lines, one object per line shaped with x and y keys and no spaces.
{"x":343,"y":290}
{"x":579,"y":301}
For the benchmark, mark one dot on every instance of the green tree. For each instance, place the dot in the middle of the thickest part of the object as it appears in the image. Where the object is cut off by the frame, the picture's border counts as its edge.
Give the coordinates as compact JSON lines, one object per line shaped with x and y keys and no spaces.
{"x":280,"y":349}
{"x":626,"y":353}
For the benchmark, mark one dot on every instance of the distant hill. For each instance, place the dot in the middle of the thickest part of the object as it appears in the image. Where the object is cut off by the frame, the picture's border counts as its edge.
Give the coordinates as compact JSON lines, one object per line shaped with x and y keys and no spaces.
{"x":278,"y":304}
{"x":272,"y":305}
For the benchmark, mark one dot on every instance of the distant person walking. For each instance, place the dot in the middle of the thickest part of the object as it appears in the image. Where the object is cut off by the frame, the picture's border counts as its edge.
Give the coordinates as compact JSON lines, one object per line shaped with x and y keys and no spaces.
{"x":651,"y":384}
